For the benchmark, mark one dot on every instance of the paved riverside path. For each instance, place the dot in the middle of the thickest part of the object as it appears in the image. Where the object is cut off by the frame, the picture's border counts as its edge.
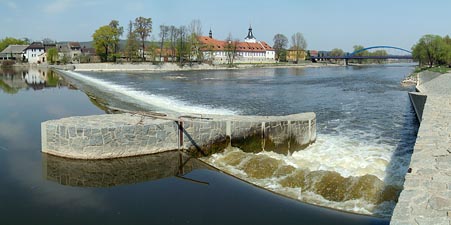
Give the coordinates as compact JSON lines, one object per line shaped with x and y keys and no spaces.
{"x":426,"y":198}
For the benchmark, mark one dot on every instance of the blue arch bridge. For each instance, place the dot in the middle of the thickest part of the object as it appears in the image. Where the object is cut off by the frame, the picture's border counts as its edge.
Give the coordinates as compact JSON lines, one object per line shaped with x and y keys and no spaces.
{"x":354,"y":55}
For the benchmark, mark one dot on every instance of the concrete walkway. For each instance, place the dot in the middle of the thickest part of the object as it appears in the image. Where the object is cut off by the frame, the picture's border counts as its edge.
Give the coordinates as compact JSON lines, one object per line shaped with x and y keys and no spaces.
{"x":426,"y":198}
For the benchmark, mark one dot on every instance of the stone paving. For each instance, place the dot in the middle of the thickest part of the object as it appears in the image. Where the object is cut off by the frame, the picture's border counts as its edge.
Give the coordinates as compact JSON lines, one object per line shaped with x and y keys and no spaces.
{"x":426,"y":198}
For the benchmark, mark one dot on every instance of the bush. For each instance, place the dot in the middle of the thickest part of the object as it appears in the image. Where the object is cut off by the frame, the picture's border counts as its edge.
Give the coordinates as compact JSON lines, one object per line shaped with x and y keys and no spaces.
{"x":8,"y":63}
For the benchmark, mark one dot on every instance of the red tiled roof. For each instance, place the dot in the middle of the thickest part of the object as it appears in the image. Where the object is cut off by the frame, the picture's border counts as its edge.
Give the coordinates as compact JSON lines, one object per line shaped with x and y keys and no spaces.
{"x":212,"y":44}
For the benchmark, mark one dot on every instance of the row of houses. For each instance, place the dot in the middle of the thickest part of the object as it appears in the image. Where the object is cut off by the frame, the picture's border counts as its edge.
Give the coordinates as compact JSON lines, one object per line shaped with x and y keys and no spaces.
{"x":250,"y":50}
{"x":36,"y":52}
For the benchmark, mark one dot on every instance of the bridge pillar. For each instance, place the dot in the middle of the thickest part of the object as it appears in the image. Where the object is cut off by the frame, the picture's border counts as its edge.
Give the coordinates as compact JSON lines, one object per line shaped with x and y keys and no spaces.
{"x":346,"y":62}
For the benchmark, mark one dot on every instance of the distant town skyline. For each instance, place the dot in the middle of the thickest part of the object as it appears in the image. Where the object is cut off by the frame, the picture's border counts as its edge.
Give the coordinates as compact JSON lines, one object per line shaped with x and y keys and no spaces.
{"x":325,"y":24}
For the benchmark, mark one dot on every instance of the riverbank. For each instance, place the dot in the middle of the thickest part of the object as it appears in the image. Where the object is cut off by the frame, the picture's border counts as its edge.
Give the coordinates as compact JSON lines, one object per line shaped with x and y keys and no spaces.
{"x":426,"y":196}
{"x":427,"y":73}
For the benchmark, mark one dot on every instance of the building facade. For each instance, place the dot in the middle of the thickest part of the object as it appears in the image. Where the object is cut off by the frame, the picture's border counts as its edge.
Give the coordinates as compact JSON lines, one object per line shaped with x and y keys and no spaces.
{"x":295,"y":56}
{"x":223,"y":52}
{"x":13,"y":52}
{"x":33,"y":53}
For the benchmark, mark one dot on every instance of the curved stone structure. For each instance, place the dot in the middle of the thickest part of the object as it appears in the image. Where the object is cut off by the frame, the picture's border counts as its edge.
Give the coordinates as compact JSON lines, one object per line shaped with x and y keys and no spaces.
{"x":122,"y":135}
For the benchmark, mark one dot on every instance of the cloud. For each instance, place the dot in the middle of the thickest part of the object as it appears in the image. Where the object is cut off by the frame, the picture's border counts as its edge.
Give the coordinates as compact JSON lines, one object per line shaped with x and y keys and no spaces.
{"x":58,"y":6}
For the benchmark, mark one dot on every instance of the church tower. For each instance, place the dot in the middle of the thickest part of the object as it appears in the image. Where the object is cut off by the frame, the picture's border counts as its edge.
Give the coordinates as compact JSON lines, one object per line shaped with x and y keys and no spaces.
{"x":250,"y":36}
{"x":210,"y":34}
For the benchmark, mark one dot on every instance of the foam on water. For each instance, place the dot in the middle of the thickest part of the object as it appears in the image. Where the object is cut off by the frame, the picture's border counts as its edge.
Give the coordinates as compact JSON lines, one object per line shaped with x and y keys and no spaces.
{"x":142,"y":97}
{"x":365,"y":177}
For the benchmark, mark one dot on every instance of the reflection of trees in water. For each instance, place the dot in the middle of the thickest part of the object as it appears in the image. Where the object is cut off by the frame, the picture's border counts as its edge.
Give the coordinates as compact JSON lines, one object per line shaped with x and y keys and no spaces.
{"x":14,"y":79}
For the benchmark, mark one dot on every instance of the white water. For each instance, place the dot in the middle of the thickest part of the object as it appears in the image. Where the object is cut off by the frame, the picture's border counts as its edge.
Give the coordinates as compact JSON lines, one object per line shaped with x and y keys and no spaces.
{"x":349,"y":157}
{"x":145,"y":98}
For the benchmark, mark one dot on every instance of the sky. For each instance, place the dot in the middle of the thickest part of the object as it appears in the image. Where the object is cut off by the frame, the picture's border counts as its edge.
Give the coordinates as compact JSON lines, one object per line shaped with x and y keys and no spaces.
{"x":325,"y":24}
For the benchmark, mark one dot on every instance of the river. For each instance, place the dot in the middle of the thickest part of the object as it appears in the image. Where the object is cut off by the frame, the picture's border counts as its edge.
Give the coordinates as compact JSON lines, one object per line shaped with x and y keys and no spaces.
{"x":366,"y":127}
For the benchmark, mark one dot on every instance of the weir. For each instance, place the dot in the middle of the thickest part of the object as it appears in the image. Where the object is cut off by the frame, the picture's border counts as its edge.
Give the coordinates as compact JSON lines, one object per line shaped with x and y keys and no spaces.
{"x":426,"y":196}
{"x":123,"y":135}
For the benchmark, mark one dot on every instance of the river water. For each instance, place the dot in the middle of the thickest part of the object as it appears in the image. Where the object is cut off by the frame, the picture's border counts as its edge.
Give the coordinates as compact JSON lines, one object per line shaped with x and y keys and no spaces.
{"x":366,"y":132}
{"x":366,"y":125}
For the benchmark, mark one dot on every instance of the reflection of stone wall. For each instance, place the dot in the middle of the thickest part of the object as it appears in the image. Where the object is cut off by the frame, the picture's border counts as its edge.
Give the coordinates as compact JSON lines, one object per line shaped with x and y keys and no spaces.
{"x":121,"y":135}
{"x":112,"y":172}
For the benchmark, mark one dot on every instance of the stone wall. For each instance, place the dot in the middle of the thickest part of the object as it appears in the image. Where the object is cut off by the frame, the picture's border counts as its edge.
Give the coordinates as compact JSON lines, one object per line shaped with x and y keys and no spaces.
{"x":418,"y":101}
{"x":122,"y":135}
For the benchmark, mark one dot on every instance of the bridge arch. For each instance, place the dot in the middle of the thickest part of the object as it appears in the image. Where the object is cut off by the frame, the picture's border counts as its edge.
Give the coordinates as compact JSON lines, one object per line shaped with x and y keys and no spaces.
{"x":382,"y":46}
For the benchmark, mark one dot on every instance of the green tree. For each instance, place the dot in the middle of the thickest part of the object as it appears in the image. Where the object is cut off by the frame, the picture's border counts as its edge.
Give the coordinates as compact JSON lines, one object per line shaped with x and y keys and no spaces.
{"x":143,"y":27}
{"x":132,"y":45}
{"x":336,"y":52}
{"x":378,"y":53}
{"x":298,"y":44}
{"x":447,"y":50}
{"x":118,"y":31}
{"x":52,"y":55}
{"x":429,"y":50}
{"x":11,"y":41}
{"x":195,"y":30}
{"x":360,"y":53}
{"x":280,"y":45}
{"x":104,"y":40}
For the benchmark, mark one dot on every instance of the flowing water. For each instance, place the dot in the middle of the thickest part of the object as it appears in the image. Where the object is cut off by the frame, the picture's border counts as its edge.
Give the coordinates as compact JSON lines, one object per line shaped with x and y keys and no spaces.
{"x":366,"y":125}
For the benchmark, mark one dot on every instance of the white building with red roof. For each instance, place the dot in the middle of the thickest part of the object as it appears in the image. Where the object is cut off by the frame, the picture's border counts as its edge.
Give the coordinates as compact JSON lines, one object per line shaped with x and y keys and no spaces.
{"x":249,"y":51}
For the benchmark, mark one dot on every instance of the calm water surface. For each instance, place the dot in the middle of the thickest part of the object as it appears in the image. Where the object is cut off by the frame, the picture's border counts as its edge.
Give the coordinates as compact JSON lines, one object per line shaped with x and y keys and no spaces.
{"x":352,"y":118}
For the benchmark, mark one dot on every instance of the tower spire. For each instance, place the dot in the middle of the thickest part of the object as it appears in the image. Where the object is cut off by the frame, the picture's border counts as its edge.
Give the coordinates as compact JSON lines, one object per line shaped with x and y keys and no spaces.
{"x":250,"y":36}
{"x":210,"y":34}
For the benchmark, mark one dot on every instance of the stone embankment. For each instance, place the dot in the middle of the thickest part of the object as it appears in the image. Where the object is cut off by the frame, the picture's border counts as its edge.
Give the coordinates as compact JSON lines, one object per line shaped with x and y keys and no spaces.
{"x":426,"y":197}
{"x":123,"y":135}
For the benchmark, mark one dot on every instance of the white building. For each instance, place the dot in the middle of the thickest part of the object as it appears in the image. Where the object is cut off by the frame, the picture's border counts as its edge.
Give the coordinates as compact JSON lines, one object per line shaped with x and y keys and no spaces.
{"x":249,"y":51}
{"x":34,"y":52}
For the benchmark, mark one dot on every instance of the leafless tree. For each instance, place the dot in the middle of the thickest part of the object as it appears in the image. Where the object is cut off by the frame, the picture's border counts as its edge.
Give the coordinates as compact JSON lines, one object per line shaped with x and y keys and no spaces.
{"x":298,"y":44}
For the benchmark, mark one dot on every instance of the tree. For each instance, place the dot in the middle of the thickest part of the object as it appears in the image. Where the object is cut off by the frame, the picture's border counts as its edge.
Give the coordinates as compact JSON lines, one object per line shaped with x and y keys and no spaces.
{"x":361,"y":53}
{"x":104,"y":39}
{"x":182,"y":47}
{"x":429,"y":50}
{"x":231,"y":49}
{"x":280,"y":45}
{"x":143,"y":28}
{"x":195,"y":29}
{"x":164,"y":30}
{"x":52,"y":55}
{"x":4,"y":43}
{"x":173,"y":36}
{"x":47,"y":41}
{"x":132,"y":45}
{"x":378,"y":53}
{"x":118,"y":31}
{"x":299,"y":44}
{"x":336,"y":52}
